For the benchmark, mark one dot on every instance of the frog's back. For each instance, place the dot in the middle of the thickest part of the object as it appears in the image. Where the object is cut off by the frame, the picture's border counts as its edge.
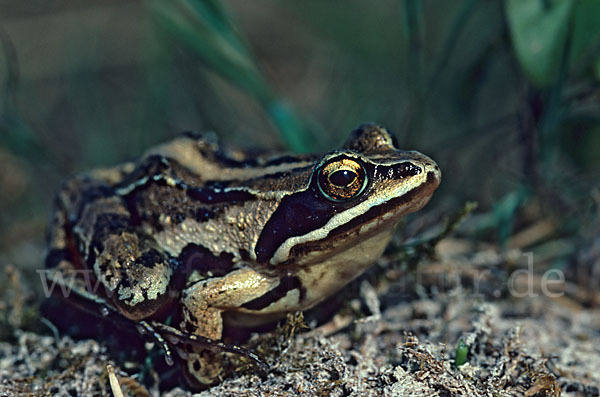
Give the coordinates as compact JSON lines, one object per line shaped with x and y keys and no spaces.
{"x":203,"y":156}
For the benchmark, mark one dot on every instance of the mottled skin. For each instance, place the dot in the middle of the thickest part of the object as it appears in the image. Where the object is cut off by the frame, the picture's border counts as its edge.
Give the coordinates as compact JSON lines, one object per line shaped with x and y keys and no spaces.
{"x":212,"y":232}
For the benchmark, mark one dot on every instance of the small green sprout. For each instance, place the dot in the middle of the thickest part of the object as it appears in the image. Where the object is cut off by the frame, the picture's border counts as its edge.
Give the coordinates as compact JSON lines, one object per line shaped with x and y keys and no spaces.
{"x":461,"y":353}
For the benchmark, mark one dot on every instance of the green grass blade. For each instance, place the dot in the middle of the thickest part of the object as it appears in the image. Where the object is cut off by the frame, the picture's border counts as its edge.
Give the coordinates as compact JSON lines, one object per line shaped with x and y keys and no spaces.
{"x":204,"y":25}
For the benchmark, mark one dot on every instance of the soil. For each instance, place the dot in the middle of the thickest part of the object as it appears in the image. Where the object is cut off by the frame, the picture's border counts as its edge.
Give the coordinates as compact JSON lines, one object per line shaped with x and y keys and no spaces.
{"x":458,"y":324}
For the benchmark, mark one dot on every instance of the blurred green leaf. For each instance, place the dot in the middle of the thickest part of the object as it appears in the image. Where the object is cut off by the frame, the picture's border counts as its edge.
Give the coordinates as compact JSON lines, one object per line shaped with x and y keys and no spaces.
{"x":597,"y":69}
{"x":505,"y":212}
{"x":539,"y":30}
{"x":205,"y":26}
{"x":414,"y":23}
{"x":585,"y":44}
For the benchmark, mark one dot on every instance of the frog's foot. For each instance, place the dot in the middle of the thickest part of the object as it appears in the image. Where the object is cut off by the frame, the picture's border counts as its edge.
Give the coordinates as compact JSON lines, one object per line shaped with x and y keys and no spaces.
{"x":176,"y":337}
{"x":203,"y":357}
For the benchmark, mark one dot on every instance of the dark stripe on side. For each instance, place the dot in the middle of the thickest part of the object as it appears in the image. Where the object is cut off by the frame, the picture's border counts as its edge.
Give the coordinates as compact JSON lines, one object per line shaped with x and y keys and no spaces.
{"x":297,"y":214}
{"x":213,"y":196}
{"x":199,"y":258}
{"x":286,"y":284}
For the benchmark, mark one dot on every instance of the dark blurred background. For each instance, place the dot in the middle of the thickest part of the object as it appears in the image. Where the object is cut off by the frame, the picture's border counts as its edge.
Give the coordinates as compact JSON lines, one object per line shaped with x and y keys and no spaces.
{"x":503,"y":94}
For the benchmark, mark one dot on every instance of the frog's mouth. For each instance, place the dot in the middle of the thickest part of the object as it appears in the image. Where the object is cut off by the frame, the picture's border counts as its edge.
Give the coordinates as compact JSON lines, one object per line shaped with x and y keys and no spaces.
{"x":364,"y":226}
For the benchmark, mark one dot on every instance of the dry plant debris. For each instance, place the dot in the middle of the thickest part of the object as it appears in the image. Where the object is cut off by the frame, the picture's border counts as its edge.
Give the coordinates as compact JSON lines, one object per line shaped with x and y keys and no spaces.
{"x":404,"y":344}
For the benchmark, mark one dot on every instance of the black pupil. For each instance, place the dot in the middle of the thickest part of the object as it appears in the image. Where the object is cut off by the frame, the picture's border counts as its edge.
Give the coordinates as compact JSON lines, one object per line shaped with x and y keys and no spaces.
{"x":342,"y":177}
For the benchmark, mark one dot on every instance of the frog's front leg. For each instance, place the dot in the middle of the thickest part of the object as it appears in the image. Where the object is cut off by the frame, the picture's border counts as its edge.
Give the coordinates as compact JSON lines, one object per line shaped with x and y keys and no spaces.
{"x":203,"y":306}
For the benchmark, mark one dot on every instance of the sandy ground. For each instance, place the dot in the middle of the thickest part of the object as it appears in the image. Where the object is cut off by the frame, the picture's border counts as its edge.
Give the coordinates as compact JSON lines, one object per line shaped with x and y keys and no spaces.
{"x":397,"y":335}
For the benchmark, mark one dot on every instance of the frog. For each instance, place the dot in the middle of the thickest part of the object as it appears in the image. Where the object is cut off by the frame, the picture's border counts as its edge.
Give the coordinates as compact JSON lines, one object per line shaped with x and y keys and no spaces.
{"x":195,"y":237}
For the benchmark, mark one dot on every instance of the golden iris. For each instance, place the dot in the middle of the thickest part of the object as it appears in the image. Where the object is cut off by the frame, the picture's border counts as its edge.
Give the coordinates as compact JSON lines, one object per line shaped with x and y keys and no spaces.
{"x":342,"y":179}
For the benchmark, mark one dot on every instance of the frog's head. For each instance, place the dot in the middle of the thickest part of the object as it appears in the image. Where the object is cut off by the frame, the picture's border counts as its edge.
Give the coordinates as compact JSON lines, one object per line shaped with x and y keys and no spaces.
{"x":354,"y":195}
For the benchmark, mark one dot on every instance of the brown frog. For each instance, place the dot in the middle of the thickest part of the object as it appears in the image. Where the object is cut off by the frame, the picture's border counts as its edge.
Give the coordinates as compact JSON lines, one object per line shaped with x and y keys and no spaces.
{"x":222,"y":238}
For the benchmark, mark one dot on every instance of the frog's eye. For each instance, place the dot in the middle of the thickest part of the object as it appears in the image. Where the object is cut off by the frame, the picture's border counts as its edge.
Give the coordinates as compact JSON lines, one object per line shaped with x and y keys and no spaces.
{"x":342,"y":179}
